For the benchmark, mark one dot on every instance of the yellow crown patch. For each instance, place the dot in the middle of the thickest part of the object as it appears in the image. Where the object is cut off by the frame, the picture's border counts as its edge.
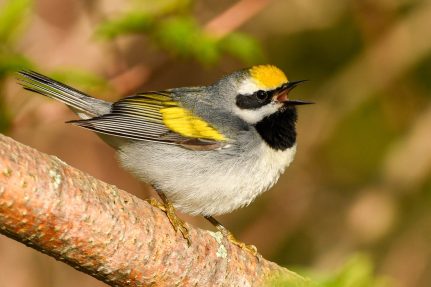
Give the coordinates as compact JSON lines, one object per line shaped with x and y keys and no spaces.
{"x":268,"y":76}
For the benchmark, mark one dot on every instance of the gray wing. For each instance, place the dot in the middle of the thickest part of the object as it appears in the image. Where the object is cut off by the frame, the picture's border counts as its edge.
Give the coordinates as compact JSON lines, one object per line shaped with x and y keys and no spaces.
{"x":155,"y":116}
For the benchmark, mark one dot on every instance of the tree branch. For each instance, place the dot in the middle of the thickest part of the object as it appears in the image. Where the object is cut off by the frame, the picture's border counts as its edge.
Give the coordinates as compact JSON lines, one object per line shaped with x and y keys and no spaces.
{"x":111,"y":234}
{"x":231,"y":19}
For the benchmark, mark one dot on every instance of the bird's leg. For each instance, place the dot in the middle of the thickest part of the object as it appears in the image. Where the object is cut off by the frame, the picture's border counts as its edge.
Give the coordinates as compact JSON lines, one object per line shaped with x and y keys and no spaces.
{"x":166,"y":206}
{"x":154,"y":202}
{"x":229,"y":236}
{"x":177,"y":223}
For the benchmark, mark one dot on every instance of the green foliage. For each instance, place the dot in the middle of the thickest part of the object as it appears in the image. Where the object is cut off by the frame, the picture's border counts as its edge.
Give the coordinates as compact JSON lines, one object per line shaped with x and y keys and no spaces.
{"x":162,"y":7}
{"x":79,"y":77}
{"x":5,"y":118}
{"x":85,"y":81}
{"x":11,"y":62}
{"x":181,"y":35}
{"x":12,"y":15}
{"x":357,"y":272}
{"x":291,"y":280}
{"x":422,"y":76}
{"x":132,"y":22}
{"x":243,"y":47}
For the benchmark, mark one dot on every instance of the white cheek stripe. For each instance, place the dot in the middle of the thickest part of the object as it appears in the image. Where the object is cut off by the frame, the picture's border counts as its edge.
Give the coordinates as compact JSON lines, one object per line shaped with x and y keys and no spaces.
{"x":254,"y":116}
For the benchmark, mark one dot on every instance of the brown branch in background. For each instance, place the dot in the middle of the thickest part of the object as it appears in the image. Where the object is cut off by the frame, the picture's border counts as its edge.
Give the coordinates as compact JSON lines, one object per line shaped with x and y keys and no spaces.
{"x":109,"y":233}
{"x":126,"y":82}
{"x":234,"y":17}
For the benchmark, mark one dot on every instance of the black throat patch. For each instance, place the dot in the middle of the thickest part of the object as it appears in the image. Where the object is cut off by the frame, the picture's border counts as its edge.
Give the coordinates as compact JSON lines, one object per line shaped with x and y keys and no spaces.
{"x":278,"y":130}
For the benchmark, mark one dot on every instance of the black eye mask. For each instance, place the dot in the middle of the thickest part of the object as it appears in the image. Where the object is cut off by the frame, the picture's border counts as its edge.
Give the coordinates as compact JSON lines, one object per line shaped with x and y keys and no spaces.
{"x":255,"y":100}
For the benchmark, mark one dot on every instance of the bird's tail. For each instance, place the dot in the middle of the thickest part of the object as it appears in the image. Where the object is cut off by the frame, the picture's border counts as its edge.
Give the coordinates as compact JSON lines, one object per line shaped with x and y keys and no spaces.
{"x":84,"y":105}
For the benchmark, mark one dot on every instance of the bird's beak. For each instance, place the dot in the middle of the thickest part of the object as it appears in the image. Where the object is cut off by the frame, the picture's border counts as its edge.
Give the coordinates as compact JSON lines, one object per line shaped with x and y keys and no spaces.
{"x":282,"y":94}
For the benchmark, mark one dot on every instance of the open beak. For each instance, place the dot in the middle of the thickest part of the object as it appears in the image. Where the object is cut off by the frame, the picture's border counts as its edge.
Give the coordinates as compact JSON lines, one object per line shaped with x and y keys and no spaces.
{"x":282,"y":94}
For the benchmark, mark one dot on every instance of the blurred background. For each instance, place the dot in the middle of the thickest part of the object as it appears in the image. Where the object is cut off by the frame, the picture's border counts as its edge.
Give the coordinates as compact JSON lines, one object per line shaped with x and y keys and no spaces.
{"x":352,"y":210}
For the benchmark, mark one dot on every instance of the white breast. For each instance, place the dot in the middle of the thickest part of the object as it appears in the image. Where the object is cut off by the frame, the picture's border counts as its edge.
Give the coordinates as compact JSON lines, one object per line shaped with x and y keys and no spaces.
{"x":206,"y":183}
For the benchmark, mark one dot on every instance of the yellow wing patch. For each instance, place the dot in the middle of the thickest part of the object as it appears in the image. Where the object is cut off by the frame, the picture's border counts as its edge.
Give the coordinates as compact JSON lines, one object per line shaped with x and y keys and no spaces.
{"x":268,"y":76}
{"x":155,"y":116}
{"x":186,"y":124}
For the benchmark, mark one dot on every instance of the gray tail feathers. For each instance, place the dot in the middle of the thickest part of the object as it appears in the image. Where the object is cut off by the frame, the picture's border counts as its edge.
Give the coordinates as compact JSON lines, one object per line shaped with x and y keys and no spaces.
{"x":78,"y":101}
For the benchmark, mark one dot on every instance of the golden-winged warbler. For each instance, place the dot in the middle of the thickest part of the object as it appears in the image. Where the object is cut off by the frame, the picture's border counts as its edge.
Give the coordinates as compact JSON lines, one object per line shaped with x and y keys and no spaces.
{"x":206,"y":150}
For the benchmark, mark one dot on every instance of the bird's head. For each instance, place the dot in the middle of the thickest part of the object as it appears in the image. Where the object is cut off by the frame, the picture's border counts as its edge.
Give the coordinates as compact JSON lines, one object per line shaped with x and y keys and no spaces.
{"x":258,"y":92}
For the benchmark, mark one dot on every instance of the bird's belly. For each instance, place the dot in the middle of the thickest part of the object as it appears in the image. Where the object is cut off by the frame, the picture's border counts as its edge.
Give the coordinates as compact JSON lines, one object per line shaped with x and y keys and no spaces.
{"x":206,"y":183}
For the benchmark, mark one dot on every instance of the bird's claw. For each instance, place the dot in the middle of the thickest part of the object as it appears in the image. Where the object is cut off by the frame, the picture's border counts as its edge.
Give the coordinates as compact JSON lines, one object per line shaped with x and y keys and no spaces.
{"x":155,"y":203}
{"x":246,"y":247}
{"x":177,"y":223}
{"x":229,"y":236}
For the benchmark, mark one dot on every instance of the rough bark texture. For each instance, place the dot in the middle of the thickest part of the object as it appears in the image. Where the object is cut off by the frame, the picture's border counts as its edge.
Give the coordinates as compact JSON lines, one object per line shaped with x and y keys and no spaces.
{"x":111,"y":234}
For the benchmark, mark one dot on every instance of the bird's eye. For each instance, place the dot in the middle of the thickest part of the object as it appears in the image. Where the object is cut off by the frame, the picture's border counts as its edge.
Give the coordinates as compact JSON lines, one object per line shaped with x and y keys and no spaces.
{"x":261,"y":95}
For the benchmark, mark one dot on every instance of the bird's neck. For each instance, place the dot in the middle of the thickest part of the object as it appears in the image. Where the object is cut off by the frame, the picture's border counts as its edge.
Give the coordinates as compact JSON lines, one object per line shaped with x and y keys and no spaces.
{"x":278,"y":130}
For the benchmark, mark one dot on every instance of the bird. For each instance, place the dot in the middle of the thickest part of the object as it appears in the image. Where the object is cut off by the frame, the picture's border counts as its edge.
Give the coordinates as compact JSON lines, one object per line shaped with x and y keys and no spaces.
{"x":206,"y":150}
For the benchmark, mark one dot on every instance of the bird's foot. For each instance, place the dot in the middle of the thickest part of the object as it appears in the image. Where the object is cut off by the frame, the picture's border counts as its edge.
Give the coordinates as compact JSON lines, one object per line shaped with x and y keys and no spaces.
{"x":229,"y":236}
{"x":177,"y":223}
{"x":155,"y":203}
{"x":246,"y":247}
